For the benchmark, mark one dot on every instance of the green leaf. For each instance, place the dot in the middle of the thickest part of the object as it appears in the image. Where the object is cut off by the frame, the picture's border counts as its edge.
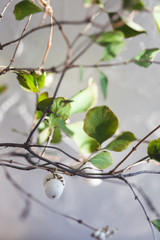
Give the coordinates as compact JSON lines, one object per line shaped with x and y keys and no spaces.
{"x":60,"y":107}
{"x":41,"y":81}
{"x":56,"y":135}
{"x":133,"y":5}
{"x":121,"y":142}
{"x":85,"y":143}
{"x":108,"y":37}
{"x":25,"y":8}
{"x":126,"y":26}
{"x":27,"y":82}
{"x":146,"y":57}
{"x":102,"y":160}
{"x":39,"y":114}
{"x":89,"y":3}
{"x":154,"y":149}
{"x":112,"y":50}
{"x":84,"y":99}
{"x":43,"y":135}
{"x":100,"y":123}
{"x":63,"y":127}
{"x":156,"y":223}
{"x":156,"y":15}
{"x":42,"y":96}
{"x":3,"y":88}
{"x":103,"y":83}
{"x":112,"y":41}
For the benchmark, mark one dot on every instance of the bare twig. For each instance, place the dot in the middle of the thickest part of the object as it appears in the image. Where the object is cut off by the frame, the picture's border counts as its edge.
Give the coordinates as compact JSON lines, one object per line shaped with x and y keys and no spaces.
{"x":49,"y":11}
{"x":4,"y":9}
{"x":42,"y":27}
{"x":15,"y":51}
{"x":141,"y":204}
{"x":135,"y":148}
{"x":36,"y":200}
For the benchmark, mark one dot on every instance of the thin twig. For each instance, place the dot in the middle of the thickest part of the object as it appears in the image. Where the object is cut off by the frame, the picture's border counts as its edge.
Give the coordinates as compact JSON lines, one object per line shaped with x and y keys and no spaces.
{"x":56,"y":148}
{"x":49,"y":11}
{"x":15,"y":51}
{"x":4,"y":9}
{"x":141,"y":204}
{"x":135,"y":148}
{"x":47,"y":109}
{"x":36,"y":200}
{"x":42,"y":27}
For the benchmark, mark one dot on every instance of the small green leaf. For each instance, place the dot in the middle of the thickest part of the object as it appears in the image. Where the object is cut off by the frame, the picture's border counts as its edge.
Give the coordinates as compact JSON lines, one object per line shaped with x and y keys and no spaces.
{"x":112,"y":50}
{"x":108,"y":37}
{"x":41,"y":81}
{"x":156,"y":223}
{"x":89,"y":3}
{"x":85,"y":143}
{"x":121,"y":142}
{"x":42,"y":96}
{"x":146,"y":57}
{"x":154,"y":149}
{"x":112,"y":41}
{"x":25,"y":8}
{"x":3,"y":88}
{"x":156,"y":15}
{"x":52,"y":121}
{"x":133,"y":5}
{"x":43,"y":135}
{"x":56,"y":135}
{"x":126,"y":26}
{"x":102,"y":160}
{"x":63,"y":127}
{"x":60,"y":107}
{"x":39,"y":114}
{"x":100,"y":123}
{"x":84,"y":99}
{"x":103,"y":83}
{"x":27,"y":82}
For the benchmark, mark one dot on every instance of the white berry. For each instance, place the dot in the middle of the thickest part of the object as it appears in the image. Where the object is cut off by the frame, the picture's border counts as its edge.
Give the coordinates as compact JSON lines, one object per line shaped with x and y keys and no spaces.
{"x":54,"y":185}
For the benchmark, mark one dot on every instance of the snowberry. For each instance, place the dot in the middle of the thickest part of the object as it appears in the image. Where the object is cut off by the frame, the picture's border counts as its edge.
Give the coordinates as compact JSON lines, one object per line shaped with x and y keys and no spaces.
{"x":54,"y":185}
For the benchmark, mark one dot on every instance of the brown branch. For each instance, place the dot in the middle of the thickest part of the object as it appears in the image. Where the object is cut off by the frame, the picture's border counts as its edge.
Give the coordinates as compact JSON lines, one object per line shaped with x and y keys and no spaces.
{"x":141,"y":204}
{"x":135,"y":148}
{"x":36,"y":200}
{"x":15,"y":51}
{"x":47,"y":109}
{"x":49,"y":11}
{"x":42,"y":27}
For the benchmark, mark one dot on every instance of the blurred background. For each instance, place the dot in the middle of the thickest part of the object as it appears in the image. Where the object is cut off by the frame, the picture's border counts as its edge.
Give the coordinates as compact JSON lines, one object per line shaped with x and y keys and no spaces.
{"x":133,"y":95}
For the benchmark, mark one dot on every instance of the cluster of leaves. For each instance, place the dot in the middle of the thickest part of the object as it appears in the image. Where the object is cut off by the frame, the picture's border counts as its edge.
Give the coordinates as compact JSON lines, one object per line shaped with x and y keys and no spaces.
{"x":100,"y":123}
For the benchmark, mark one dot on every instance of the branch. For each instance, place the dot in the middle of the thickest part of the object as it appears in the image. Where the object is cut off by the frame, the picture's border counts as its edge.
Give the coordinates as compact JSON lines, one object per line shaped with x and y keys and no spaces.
{"x":42,"y":27}
{"x":56,"y":148}
{"x":47,"y":109}
{"x":141,"y":204}
{"x":36,"y":200}
{"x":135,"y":148}
{"x":15,"y":51}
{"x":4,"y":9}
